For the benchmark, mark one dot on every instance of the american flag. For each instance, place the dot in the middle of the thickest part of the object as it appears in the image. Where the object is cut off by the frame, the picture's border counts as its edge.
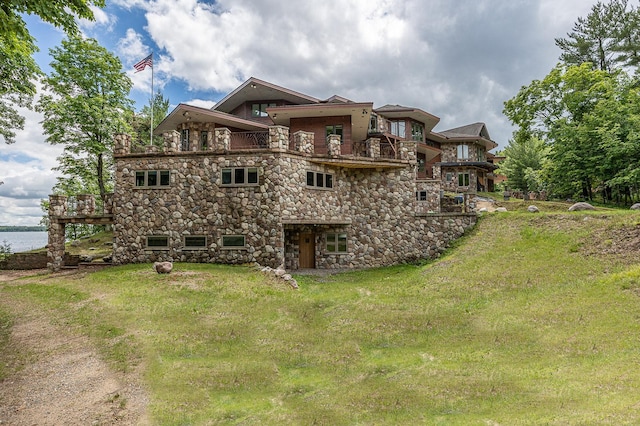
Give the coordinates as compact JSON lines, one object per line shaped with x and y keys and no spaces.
{"x":146,"y":62}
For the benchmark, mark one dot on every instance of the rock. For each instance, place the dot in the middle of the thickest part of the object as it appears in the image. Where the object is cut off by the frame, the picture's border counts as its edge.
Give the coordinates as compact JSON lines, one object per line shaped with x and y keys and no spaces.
{"x":533,"y":209}
{"x":483,"y":210}
{"x":279,"y":272}
{"x":580,"y":207}
{"x":636,"y":206}
{"x":287,"y":277}
{"x":163,"y":267}
{"x":501,"y":209}
{"x":293,"y":283}
{"x":107,"y":259}
{"x":75,"y":243}
{"x":266,"y":269}
{"x":86,"y":258}
{"x":94,"y":240}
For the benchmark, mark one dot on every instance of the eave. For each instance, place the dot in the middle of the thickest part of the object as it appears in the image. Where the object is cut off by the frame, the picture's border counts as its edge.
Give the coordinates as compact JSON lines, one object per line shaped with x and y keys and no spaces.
{"x":478,"y":164}
{"x":184,"y":113}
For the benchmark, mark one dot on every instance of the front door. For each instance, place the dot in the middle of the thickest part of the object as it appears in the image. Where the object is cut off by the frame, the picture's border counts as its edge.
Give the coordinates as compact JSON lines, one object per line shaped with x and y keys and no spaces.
{"x":307,"y":251}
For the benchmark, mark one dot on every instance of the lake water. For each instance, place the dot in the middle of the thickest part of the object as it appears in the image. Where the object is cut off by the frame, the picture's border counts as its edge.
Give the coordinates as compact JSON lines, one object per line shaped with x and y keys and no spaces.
{"x":24,"y":241}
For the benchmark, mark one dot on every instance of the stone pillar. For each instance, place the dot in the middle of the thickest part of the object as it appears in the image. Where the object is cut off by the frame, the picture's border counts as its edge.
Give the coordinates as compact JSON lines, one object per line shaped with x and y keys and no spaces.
{"x":57,"y":206}
{"x":279,"y":138}
{"x":222,"y":139}
{"x":121,"y":144}
{"x":303,"y":141}
{"x":86,"y":204}
{"x":407,"y":150}
{"x":108,"y":204}
{"x":333,"y":145}
{"x":55,"y":249}
{"x":373,"y":147}
{"x":171,"y":141}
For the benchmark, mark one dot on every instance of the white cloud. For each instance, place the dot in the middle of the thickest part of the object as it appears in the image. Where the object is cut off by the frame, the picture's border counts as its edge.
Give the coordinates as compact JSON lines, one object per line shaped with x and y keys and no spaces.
{"x":101,"y":19}
{"x":202,"y":103}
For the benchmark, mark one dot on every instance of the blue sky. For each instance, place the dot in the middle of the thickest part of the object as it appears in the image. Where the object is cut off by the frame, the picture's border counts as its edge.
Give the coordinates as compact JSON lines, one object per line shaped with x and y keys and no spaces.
{"x":459,"y":60}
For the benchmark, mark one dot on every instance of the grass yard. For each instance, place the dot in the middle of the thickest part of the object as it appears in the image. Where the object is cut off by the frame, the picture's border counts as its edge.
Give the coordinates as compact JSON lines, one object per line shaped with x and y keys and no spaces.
{"x":530,"y":319}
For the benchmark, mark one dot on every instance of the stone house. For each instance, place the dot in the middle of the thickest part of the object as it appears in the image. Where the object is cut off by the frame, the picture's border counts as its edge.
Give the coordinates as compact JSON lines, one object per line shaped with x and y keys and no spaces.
{"x":273,"y":176}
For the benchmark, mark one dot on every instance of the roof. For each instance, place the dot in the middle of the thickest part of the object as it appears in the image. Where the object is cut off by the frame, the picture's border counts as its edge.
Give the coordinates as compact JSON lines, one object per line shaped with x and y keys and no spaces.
{"x":476,"y":132}
{"x":257,"y":90}
{"x":183,"y":113}
{"x":399,"y":111}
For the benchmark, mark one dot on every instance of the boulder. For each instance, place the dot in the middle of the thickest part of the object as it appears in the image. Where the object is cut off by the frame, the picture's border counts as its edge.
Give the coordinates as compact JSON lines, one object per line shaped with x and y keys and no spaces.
{"x":580,"y":207}
{"x":533,"y":209}
{"x":636,"y":206}
{"x":107,"y":259}
{"x":86,"y":258}
{"x":501,"y":209}
{"x":163,"y":267}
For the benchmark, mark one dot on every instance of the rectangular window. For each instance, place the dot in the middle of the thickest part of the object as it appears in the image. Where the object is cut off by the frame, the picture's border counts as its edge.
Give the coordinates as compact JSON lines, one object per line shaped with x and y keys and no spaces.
{"x":153,"y":178}
{"x":421,"y":195}
{"x":373,"y":124}
{"x":334,"y":129}
{"x":398,"y":128}
{"x":463,"y":152}
{"x":417,"y":132}
{"x":336,"y":243}
{"x":195,"y":241}
{"x":463,"y":179}
{"x":449,"y":177}
{"x":157,"y":241}
{"x":240,"y":176}
{"x":233,"y":241}
{"x":319,"y":180}
{"x":204,"y":140}
{"x":184,"y":140}
{"x":260,"y":110}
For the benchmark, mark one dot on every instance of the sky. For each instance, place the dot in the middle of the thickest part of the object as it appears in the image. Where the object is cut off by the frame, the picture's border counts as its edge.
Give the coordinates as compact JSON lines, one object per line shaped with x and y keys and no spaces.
{"x":458,"y":60}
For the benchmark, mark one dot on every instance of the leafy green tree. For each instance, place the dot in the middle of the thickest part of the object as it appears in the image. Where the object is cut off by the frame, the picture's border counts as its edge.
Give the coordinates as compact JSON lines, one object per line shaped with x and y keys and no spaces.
{"x":142,"y":121}
{"x":525,"y":158}
{"x":18,"y":70}
{"x":88,"y":104}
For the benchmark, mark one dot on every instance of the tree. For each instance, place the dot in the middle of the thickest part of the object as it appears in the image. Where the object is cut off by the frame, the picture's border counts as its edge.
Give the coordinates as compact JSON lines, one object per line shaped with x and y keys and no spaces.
{"x":525,"y":158}
{"x":141,"y":122}
{"x":88,"y":104}
{"x":18,"y":70}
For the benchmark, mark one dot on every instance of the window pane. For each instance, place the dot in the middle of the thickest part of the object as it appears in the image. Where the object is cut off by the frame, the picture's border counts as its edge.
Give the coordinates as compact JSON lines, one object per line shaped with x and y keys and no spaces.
{"x":310,"y":180}
{"x":331,"y":242}
{"x":139,"y":178}
{"x":328,"y":181}
{"x":252,"y":175}
{"x":255,"y":110}
{"x":152,"y":178}
{"x":157,"y":241}
{"x":204,"y":139}
{"x":195,"y":241}
{"x":402,"y":129}
{"x":238,"y":176}
{"x":342,"y":242}
{"x":320,"y":180}
{"x":233,"y":240}
{"x":226,"y":176}
{"x":164,"y":177}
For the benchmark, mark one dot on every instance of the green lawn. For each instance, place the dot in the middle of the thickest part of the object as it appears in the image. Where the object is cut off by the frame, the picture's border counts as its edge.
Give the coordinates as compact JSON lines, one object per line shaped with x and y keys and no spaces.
{"x":523,"y":322}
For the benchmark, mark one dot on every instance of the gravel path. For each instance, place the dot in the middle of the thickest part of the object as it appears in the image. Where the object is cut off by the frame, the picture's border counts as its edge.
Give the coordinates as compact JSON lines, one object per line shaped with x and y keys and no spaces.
{"x":59,"y":379}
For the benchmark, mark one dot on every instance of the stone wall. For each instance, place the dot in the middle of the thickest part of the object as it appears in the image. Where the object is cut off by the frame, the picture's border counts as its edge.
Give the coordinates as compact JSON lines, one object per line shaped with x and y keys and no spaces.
{"x":25,"y":261}
{"x":477,"y":152}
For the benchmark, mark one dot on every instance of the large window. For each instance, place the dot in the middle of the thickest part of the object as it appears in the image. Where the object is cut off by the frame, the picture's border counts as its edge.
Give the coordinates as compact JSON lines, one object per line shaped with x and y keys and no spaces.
{"x":417,"y":132}
{"x":334,"y":129}
{"x":463,"y":179}
{"x":398,"y":128}
{"x":463,"y":152}
{"x":320,"y":180}
{"x":260,"y":110}
{"x":184,"y":140}
{"x":233,"y":241}
{"x":240,"y":176}
{"x":336,"y":243}
{"x":157,"y":242}
{"x":152,"y":178}
{"x":195,"y":241}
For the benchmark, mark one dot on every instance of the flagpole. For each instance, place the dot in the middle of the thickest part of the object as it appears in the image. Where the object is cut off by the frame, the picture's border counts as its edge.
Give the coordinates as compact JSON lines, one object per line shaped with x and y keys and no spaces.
{"x":151,"y":124}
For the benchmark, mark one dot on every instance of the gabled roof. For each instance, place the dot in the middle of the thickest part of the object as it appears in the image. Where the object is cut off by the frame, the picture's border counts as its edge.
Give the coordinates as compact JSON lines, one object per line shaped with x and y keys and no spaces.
{"x":183,"y":113}
{"x":337,"y":99}
{"x":257,"y":90}
{"x":471,"y":132}
{"x":399,"y":111}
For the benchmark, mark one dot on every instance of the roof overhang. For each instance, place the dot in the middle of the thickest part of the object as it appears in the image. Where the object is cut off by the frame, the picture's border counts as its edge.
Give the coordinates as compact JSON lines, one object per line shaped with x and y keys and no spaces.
{"x":184,"y":113}
{"x":429,"y":151}
{"x":477,"y":164}
{"x":415,"y":114}
{"x":360,"y":115}
{"x":261,"y":91}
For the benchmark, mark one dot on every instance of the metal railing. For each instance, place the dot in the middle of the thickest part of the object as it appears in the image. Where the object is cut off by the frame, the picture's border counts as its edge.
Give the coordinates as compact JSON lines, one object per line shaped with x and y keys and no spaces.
{"x":249,"y":140}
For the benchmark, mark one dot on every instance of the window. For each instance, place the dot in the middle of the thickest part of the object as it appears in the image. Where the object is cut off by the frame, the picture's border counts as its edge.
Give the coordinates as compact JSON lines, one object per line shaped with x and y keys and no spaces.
{"x":449,"y":177}
{"x":336,"y":243}
{"x":233,"y":241}
{"x":373,"y":123}
{"x":320,"y":180}
{"x":421,"y":195}
{"x":463,"y":179}
{"x":195,"y":241}
{"x":184,"y":140}
{"x":463,"y":152}
{"x":398,"y":128}
{"x":260,"y":110}
{"x":334,"y":129}
{"x":240,"y":176}
{"x":157,"y":241}
{"x":417,"y":132}
{"x":152,"y":178}
{"x":204,"y":140}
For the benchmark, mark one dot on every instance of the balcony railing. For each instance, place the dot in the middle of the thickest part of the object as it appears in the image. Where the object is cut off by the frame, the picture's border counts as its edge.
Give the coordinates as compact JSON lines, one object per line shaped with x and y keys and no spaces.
{"x":249,"y":140}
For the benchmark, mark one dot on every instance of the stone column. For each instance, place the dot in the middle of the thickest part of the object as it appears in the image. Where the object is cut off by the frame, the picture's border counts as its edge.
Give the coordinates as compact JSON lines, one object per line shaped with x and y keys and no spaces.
{"x":55,"y":249}
{"x":86,"y":204}
{"x":407,"y":150}
{"x":121,"y":144}
{"x":222,"y":139}
{"x":108,"y":204}
{"x":279,"y":138}
{"x":171,"y":141}
{"x":303,"y":141}
{"x":57,"y":206}
{"x":333,"y":145}
{"x":373,"y":147}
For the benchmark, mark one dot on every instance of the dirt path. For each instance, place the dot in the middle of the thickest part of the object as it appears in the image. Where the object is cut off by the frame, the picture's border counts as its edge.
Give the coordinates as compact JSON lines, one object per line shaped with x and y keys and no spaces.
{"x":58,"y":377}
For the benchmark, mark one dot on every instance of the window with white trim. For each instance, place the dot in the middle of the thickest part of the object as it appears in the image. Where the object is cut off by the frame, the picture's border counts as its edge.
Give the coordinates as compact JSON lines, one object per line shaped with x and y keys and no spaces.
{"x":398,"y":128}
{"x":463,"y":152}
{"x":152,"y":178}
{"x":233,"y":241}
{"x":463,"y":179}
{"x":247,"y":176}
{"x":319,"y":180}
{"x":449,"y":177}
{"x":336,"y":242}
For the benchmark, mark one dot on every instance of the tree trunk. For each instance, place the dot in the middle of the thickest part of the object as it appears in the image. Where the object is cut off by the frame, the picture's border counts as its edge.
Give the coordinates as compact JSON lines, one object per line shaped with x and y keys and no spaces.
{"x":103,"y":192}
